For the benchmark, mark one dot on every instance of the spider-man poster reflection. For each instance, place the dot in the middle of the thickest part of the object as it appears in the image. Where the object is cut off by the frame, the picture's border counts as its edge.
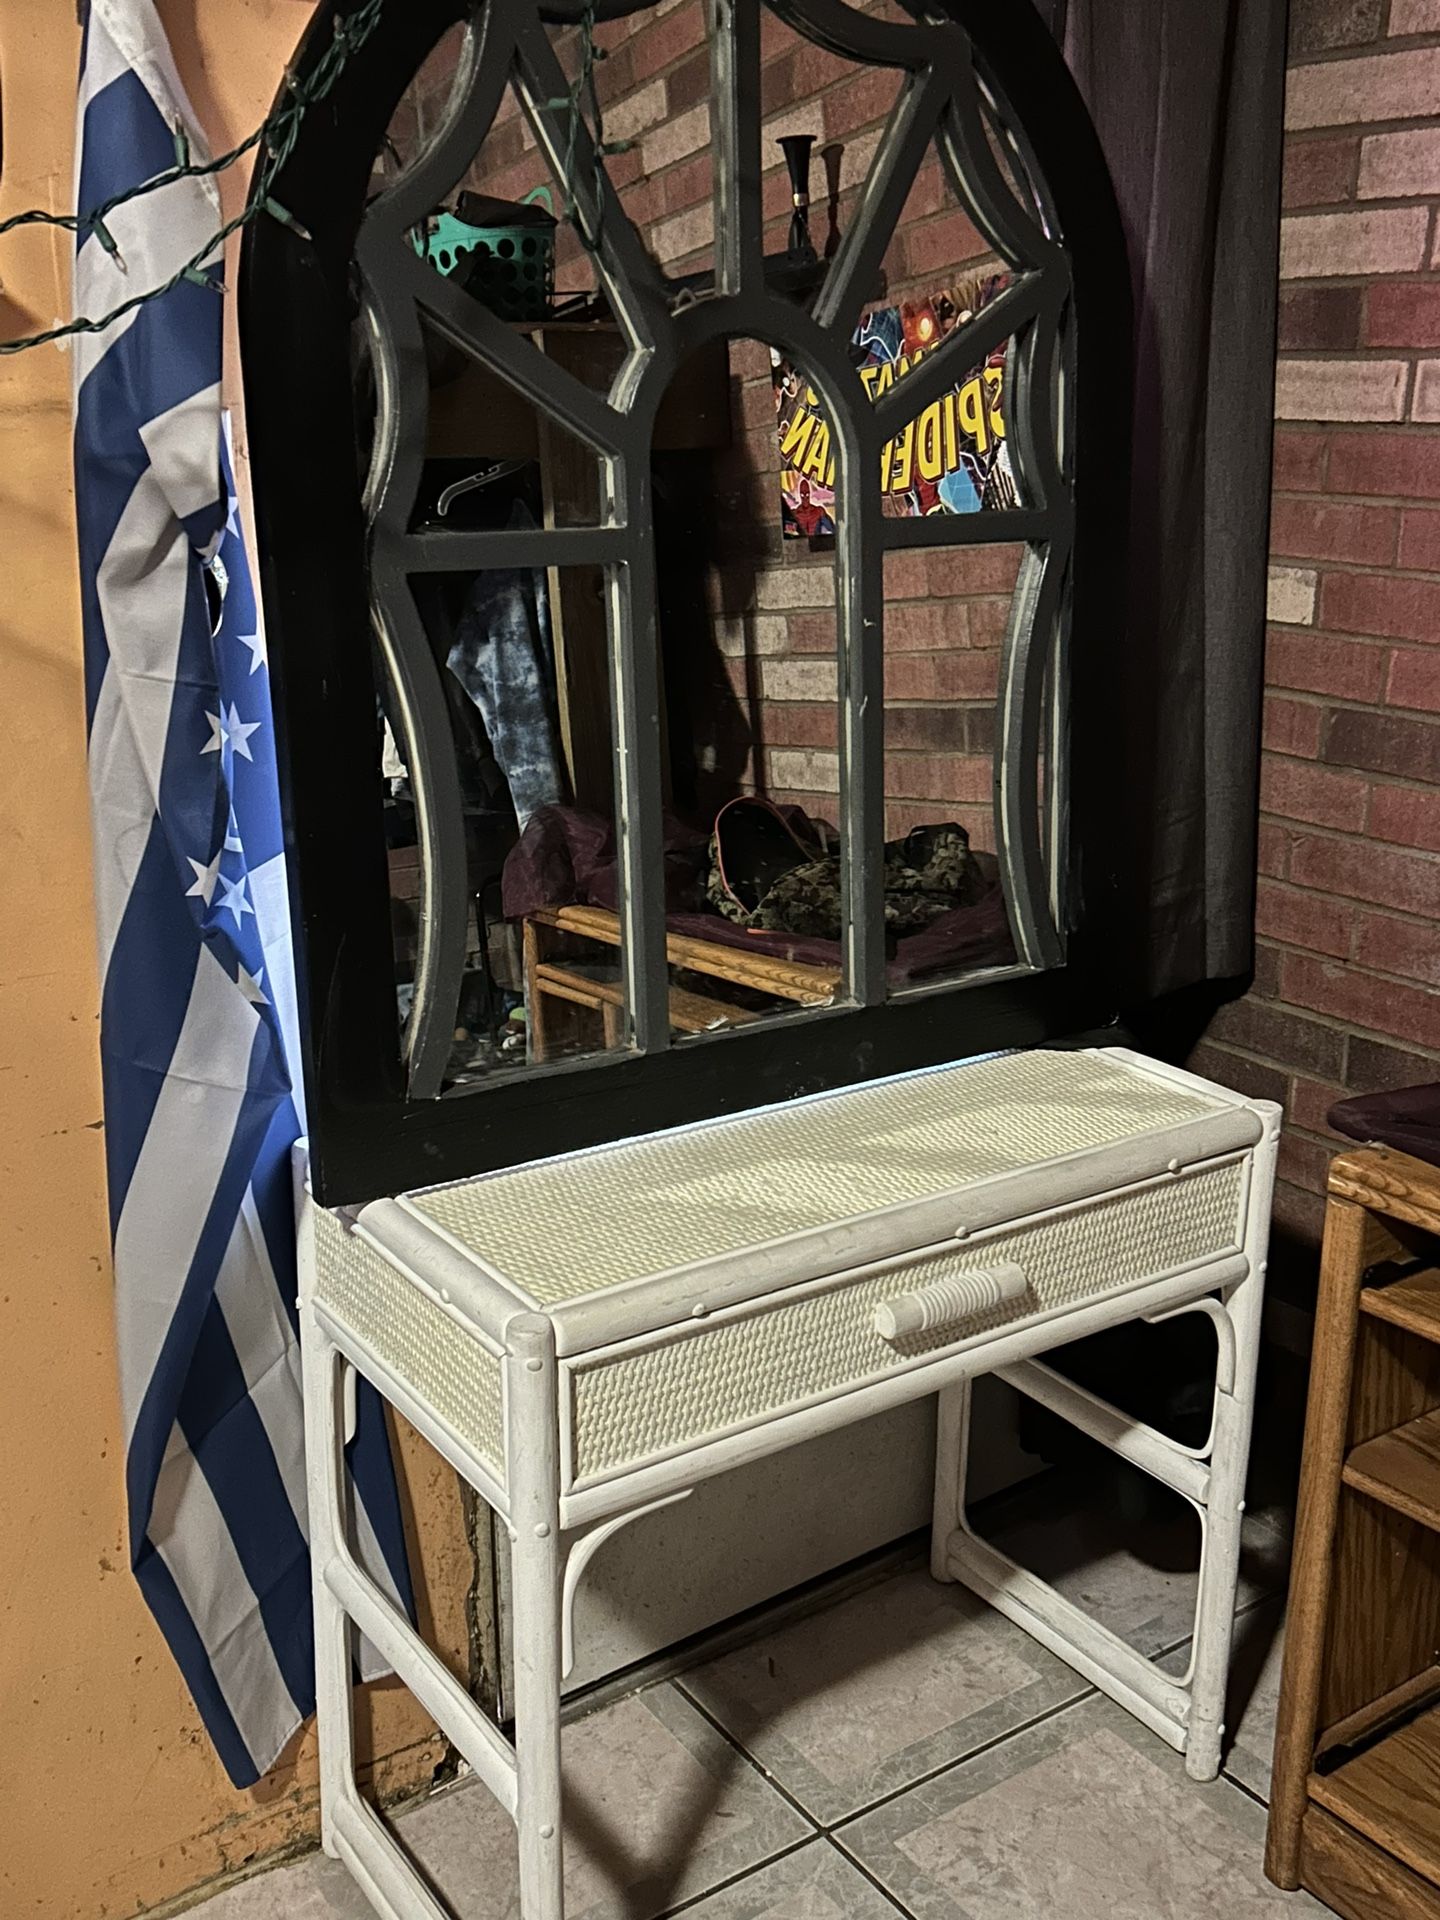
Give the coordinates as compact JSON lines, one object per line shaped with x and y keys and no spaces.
{"x":952,"y":459}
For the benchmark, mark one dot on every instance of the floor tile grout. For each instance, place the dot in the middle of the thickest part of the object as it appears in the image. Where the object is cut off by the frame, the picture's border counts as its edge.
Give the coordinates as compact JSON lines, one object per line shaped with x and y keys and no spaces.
{"x":746,"y":1873}
{"x":859,"y":1866}
{"x":963,"y":1760}
{"x":733,"y":1740}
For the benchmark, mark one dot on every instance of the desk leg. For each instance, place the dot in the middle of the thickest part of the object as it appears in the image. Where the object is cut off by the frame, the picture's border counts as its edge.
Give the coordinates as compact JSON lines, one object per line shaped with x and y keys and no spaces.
{"x":952,"y":1448}
{"x":324,"y":1441}
{"x":1224,"y":1508}
{"x":534,"y":1481}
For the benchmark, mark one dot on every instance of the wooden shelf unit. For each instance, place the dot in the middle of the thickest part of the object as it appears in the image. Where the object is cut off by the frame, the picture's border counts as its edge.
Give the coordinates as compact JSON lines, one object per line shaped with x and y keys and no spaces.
{"x":1355,"y":1801}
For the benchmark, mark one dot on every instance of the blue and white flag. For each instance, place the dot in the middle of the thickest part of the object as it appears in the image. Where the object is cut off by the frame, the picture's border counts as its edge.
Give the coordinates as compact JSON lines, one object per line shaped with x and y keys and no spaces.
{"x":198,"y":1030}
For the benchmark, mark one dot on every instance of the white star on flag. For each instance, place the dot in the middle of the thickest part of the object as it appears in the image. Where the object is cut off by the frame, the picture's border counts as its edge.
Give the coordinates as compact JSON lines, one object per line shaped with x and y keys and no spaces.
{"x":235,"y":899}
{"x":239,"y":731}
{"x":205,"y":878}
{"x":233,"y":842}
{"x":249,"y":985}
{"x":259,"y":657}
{"x":229,"y":730}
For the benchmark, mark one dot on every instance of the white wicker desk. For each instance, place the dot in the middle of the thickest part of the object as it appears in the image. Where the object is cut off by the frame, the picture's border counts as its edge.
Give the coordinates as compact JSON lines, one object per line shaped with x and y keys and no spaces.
{"x":588,"y":1337}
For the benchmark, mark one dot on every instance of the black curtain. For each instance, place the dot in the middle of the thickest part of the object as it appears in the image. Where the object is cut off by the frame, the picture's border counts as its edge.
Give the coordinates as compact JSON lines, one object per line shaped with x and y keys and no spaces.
{"x":1187,"y":99}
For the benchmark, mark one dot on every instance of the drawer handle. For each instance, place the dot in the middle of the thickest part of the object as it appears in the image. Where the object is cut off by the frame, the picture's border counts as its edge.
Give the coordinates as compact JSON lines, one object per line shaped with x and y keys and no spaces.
{"x":949,"y":1302}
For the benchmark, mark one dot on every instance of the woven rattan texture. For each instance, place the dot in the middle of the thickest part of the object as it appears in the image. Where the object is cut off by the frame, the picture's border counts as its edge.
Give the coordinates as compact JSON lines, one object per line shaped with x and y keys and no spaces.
{"x":694,"y":1388}
{"x":592,"y":1220}
{"x":446,"y":1369}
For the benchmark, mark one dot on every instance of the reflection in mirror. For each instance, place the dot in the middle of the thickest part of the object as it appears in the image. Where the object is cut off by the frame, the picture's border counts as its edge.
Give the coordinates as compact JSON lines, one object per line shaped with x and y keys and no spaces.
{"x":533,"y":763}
{"x":947,"y":610}
{"x":517,"y":641}
{"x":752,"y":763}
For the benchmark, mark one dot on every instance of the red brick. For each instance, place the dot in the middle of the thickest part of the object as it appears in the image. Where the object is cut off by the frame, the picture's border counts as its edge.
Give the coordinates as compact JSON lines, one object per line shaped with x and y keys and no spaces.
{"x":932,"y":626}
{"x":1309,"y":1103}
{"x":1281,"y":1034}
{"x":1402,"y":313}
{"x":1292,"y":726}
{"x":1408,"y":816}
{"x":937,"y":776}
{"x":1359,"y":871}
{"x":929,"y":193}
{"x":1385,"y":465}
{"x":943,"y":676}
{"x":1317,"y":25}
{"x":1296,"y":790}
{"x":1381,"y":604}
{"x":811,"y":632}
{"x":1265,"y":976}
{"x":1250,"y":1077}
{"x":1407,"y":947}
{"x":685,"y":186}
{"x":967,"y":570}
{"x":906,"y":574}
{"x":1299,"y":465}
{"x":989,"y":620}
{"x":777,"y":81}
{"x":1314,"y":664}
{"x":1301,"y":919}
{"x":857,"y":102}
{"x":1414,"y":679}
{"x":816,"y":70}
{"x":1383,"y":743}
{"x":1272,"y":854}
{"x":689,"y":82}
{"x":1319,"y":173}
{"x":1384,"y":1006}
{"x":1420,"y":540}
{"x":936,"y":245}
{"x":661,"y":42}
{"x":1319,"y":317}
{"x":1302,"y":1163}
{"x":928,"y":729}
{"x":1323,"y":530}
{"x":803,"y":725}
{"x":1373,"y":1067}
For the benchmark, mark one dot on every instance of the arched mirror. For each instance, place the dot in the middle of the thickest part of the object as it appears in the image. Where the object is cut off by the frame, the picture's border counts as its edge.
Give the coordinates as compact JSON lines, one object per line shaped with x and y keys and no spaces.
{"x":690,"y":473}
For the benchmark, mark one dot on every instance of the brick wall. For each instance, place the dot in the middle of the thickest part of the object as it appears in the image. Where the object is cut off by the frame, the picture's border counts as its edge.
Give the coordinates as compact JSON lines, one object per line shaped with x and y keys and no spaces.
{"x":1348,"y":968}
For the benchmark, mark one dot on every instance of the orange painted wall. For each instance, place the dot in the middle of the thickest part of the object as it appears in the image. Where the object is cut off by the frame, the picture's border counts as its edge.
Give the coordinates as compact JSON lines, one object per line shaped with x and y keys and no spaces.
{"x":111,"y":1801}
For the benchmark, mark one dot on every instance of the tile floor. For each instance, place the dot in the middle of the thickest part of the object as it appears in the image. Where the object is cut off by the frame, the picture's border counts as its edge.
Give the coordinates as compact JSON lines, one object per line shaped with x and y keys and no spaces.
{"x":903,"y":1750}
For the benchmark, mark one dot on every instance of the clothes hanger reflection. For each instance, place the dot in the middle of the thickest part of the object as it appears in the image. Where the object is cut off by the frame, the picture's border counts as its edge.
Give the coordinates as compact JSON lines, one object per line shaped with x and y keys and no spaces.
{"x":474,"y":481}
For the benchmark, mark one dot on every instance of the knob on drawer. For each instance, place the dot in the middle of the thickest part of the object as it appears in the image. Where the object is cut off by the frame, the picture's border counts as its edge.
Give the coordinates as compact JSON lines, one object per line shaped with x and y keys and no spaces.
{"x":949,"y":1303}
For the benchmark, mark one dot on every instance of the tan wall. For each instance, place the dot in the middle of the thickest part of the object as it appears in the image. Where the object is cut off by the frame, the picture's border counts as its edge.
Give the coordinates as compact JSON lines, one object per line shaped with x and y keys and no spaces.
{"x":111,"y":1800}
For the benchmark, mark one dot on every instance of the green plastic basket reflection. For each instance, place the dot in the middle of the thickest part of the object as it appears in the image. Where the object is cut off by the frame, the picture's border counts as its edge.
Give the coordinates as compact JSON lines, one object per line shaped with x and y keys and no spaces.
{"x":510,"y":268}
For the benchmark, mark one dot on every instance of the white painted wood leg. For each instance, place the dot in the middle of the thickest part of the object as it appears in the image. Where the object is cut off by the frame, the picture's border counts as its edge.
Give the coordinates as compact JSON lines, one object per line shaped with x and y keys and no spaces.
{"x":952,"y":1449}
{"x":1229,"y":1461}
{"x":537,"y":1571}
{"x":324,"y":1413}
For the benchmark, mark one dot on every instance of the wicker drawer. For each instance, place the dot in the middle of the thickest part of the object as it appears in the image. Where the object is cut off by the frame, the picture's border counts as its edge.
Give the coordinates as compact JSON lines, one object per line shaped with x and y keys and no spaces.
{"x":663,"y":1394}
